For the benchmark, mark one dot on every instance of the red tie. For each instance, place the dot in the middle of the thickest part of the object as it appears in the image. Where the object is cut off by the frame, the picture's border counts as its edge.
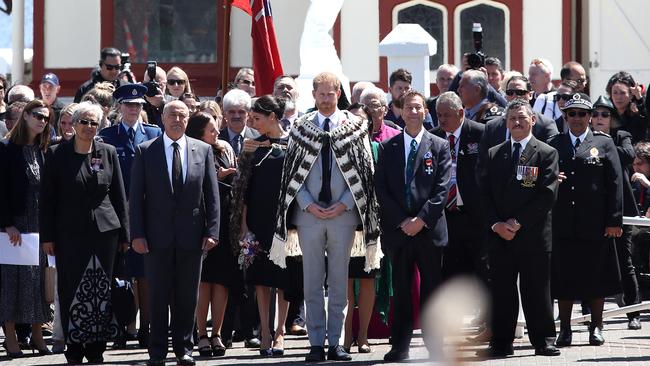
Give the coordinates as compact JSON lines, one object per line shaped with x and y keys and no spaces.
{"x":451,"y":196}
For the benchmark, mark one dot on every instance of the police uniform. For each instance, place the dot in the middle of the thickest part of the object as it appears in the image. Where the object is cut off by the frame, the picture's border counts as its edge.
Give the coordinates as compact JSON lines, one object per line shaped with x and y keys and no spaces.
{"x":118,"y":136}
{"x":487,"y":112}
{"x":584,"y":261}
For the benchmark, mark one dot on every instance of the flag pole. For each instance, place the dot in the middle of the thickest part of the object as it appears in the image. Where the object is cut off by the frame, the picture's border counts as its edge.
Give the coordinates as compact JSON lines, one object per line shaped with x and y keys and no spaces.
{"x":225,"y":62}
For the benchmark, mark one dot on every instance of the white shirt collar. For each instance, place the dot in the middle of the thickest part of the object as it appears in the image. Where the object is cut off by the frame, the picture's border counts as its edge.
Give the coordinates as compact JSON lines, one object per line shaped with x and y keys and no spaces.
{"x":523,"y":142}
{"x":232,"y":134}
{"x":182,"y":142}
{"x":408,"y":139}
{"x":135,"y":127}
{"x":456,"y":133}
{"x":334,"y":119}
{"x":581,"y":137}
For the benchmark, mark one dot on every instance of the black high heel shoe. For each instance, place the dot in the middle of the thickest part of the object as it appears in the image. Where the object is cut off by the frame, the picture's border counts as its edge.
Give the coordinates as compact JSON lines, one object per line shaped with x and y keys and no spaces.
{"x":41,"y":352}
{"x":12,"y":355}
{"x":218,"y":348}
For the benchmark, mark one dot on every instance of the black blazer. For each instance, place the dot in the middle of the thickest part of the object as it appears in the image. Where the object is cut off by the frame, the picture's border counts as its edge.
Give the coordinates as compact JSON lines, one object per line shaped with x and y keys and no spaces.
{"x":431,"y":180}
{"x":626,"y":154}
{"x":591,"y":198}
{"x":495,"y":131}
{"x":467,"y":165}
{"x":73,"y":196}
{"x":529,"y":201}
{"x":156,"y":215}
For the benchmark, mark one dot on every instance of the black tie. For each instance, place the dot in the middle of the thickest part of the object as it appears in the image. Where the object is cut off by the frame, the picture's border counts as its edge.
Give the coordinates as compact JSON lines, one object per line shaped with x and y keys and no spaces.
{"x":131,"y":133}
{"x":515,"y":155}
{"x":177,"y":172}
{"x":576,"y":146}
{"x":325,"y":195}
{"x":235,"y":144}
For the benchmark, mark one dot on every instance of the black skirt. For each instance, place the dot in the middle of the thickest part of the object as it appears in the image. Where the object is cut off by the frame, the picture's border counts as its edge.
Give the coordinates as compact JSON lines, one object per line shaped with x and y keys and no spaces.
{"x":584,"y":270}
{"x":220,"y":267}
{"x":355,"y":269}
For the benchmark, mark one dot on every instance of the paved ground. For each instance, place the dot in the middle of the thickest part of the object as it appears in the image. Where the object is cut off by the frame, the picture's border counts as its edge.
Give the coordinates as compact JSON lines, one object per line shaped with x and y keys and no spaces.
{"x":622,"y":347}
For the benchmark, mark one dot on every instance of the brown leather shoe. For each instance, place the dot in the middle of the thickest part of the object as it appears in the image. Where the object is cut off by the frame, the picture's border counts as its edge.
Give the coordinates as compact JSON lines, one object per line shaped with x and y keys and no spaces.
{"x":483,"y":337}
{"x":297,"y":330}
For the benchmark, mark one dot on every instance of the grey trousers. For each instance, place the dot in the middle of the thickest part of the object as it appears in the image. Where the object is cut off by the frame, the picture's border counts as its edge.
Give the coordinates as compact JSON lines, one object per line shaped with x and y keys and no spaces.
{"x":315,"y":240}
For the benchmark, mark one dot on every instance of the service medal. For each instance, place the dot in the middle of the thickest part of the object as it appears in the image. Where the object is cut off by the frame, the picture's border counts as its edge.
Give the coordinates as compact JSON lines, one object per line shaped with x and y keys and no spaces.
{"x":593,"y":152}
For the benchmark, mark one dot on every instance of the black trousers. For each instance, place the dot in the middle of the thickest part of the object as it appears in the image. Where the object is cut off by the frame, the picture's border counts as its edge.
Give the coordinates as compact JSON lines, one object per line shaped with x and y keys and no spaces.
{"x":173,"y":276}
{"x":465,"y":253}
{"x":629,"y":281}
{"x":241,"y":316}
{"x":92,"y":351}
{"x":533,"y":269}
{"x":411,"y":251}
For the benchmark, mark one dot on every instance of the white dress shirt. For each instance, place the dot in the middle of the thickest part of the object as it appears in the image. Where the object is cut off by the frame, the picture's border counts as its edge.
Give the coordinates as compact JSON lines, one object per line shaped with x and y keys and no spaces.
{"x":335,"y":119}
{"x":407,"y":142}
{"x":169,"y":155}
{"x":523,"y":143}
{"x":581,"y":137}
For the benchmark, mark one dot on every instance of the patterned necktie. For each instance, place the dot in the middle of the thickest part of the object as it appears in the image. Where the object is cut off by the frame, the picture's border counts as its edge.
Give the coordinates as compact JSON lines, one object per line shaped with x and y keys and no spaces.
{"x":177,"y":171}
{"x":410,"y":169}
{"x":575,"y":147}
{"x":236,"y":144}
{"x":515,"y":155}
{"x":325,"y":195}
{"x":453,"y":188}
{"x":131,"y":133}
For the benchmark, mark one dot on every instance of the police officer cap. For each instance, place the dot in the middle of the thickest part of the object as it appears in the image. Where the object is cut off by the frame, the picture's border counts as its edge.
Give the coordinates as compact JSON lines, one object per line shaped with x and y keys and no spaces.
{"x":580,"y":101}
{"x":130,"y":93}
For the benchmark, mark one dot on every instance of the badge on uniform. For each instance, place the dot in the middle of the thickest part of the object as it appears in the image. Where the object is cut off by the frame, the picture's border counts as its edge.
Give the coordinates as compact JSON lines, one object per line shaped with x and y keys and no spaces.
{"x":428,"y":163}
{"x":96,"y":164}
{"x":593,"y":159}
{"x":527,"y":174}
{"x":472,"y":148}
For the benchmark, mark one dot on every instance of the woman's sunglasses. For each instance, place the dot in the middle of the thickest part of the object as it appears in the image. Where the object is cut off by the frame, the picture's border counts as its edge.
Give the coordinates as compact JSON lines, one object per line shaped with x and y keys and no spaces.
{"x":40,"y":116}
{"x":86,"y":122}
{"x":604,"y":114}
{"x":175,"y":82}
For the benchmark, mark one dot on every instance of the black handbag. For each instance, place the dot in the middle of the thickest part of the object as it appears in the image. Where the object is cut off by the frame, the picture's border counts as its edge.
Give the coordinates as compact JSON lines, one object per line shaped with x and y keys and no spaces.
{"x":123,"y":298}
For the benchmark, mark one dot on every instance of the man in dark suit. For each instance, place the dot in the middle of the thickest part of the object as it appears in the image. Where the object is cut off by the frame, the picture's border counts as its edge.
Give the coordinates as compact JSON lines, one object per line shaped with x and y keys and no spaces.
{"x":465,"y":252}
{"x":519,"y":182}
{"x":412,"y":180}
{"x":496,"y":130}
{"x":174,"y":211}
{"x":236,"y":109}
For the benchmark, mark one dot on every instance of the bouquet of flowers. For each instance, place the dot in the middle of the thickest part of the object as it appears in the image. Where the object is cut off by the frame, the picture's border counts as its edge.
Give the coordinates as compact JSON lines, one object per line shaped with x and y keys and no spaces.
{"x":250,"y":248}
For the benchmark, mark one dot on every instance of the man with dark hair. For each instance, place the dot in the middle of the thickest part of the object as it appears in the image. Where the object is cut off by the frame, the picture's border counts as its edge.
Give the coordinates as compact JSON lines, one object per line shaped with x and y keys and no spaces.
{"x":519,"y":184}
{"x":494,"y":73}
{"x":110,"y":63}
{"x":573,"y":70}
{"x":399,"y":83}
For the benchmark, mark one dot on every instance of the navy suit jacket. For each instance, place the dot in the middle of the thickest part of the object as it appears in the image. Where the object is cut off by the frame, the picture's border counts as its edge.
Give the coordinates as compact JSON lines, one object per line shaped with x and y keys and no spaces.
{"x":431,"y":182}
{"x":156,"y":215}
{"x":117,"y":136}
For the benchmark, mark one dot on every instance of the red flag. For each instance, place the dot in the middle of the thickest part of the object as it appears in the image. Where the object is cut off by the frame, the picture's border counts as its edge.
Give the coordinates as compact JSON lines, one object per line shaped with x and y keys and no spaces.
{"x":244,"y":5}
{"x":266,"y":55}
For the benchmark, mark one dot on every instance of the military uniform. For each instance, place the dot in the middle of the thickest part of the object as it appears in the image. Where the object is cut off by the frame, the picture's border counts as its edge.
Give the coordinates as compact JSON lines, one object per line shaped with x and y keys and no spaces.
{"x":487,"y":112}
{"x":590,"y":199}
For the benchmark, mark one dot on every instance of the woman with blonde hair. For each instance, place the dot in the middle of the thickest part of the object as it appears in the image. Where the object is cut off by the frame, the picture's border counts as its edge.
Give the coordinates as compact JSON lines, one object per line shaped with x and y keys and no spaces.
{"x":177,"y":82}
{"x":102,"y":94}
{"x":65,"y":129}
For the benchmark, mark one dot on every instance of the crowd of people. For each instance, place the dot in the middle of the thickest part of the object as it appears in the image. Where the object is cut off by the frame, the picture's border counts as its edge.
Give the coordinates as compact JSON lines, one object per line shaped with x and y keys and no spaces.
{"x":245,"y":210}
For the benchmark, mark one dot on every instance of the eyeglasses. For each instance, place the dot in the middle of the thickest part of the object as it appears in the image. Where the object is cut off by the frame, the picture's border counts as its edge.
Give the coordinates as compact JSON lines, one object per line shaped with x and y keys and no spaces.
{"x":576,"y":113}
{"x":604,"y":114}
{"x":40,"y":116}
{"x":86,"y":122}
{"x":519,"y":92}
{"x":112,"y":67}
{"x":175,"y":82}
{"x":564,"y":97}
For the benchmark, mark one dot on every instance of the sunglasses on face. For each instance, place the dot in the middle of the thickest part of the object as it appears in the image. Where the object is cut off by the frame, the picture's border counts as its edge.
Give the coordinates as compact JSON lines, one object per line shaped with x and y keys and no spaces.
{"x":40,"y":116}
{"x":564,"y":97}
{"x":175,"y":82}
{"x":518,"y":92}
{"x":577,"y":113}
{"x":111,"y":67}
{"x":86,"y":122}
{"x":604,"y":114}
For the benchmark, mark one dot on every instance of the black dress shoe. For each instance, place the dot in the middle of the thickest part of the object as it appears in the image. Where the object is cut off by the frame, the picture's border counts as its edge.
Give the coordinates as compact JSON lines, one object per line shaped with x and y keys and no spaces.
{"x":396,"y":355}
{"x":547,"y":351}
{"x":95,"y":360}
{"x":185,"y":360}
{"x":596,"y":336}
{"x":252,"y":343}
{"x":156,"y":362}
{"x":337,"y":353}
{"x":634,"y":324}
{"x":564,"y":338}
{"x":496,"y":352}
{"x":316,"y":354}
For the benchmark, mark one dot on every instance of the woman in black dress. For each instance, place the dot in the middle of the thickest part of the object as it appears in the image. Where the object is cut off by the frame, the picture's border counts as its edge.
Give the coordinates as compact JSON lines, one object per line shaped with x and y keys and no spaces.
{"x":21,"y":160}
{"x":257,"y":187}
{"x":219,"y":274}
{"x":82,"y":220}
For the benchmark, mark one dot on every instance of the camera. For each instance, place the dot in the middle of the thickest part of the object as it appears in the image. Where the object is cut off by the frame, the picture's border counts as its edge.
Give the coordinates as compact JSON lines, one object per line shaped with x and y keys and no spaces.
{"x":153,"y":87}
{"x":125,"y":66}
{"x":476,"y":60}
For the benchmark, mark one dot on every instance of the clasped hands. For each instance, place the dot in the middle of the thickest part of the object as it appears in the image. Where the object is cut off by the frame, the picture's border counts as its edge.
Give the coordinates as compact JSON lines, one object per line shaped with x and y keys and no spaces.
{"x":507,"y":230}
{"x":411,"y":226}
{"x":326,"y":213}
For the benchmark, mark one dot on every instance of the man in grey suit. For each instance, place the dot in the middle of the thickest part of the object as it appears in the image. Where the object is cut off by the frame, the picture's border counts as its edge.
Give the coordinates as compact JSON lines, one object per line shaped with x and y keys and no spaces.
{"x":174,"y":208}
{"x":236,"y":110}
{"x":327,"y":193}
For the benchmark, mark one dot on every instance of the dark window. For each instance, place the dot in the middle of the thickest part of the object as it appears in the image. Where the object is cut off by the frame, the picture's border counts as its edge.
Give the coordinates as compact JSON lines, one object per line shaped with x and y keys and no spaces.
{"x":177,"y":31}
{"x":493,"y":23}
{"x":431,"y":20}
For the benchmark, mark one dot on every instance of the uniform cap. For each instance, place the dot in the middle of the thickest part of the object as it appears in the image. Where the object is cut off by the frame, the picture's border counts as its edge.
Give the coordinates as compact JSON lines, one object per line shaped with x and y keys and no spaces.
{"x":579,"y":101}
{"x":130,"y":93}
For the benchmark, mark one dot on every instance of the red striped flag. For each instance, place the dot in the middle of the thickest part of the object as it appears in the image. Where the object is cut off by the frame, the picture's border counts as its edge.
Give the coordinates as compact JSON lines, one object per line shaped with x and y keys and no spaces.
{"x":266,"y":55}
